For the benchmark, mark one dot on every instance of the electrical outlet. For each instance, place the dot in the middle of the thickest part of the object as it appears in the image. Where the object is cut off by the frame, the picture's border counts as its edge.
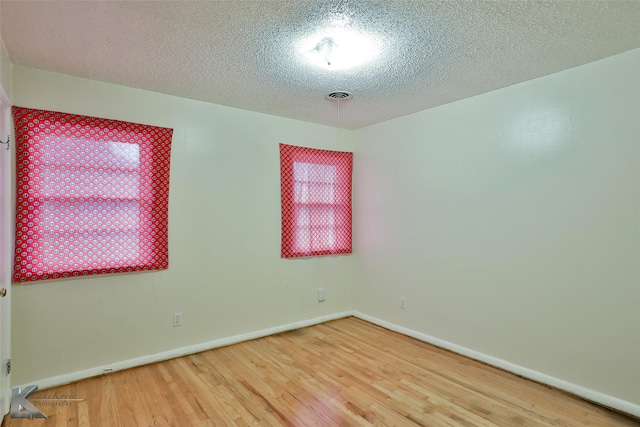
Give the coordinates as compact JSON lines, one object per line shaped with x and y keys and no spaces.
{"x":177,"y":319}
{"x":403,"y":303}
{"x":320,"y":295}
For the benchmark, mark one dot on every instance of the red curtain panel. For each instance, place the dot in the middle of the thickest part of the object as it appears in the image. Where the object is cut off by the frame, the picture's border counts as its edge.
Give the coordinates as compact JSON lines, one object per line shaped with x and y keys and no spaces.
{"x":92,"y":195}
{"x":316,"y":201}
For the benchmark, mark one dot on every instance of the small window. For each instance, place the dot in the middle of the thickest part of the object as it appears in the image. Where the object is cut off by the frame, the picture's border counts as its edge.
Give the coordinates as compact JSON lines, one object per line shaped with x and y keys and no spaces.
{"x":92,"y":195}
{"x":316,"y":201}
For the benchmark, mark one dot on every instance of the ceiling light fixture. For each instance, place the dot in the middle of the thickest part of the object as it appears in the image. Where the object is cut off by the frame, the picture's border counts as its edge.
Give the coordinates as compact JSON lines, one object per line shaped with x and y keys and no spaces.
{"x":339,"y":48}
{"x":324,"y":50}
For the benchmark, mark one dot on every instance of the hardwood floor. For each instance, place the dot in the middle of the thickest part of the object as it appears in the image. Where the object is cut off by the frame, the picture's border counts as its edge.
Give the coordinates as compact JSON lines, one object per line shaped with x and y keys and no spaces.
{"x":341,"y":373}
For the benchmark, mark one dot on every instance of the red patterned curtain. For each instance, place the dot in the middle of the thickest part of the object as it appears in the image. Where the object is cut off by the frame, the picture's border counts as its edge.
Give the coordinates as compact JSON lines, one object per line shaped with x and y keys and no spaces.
{"x":316,"y":201}
{"x":92,"y":195}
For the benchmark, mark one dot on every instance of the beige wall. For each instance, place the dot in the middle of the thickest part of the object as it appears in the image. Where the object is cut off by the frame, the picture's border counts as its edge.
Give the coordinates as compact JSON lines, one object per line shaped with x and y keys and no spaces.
{"x":510,"y":223}
{"x":225,"y":274}
{"x":5,"y":70}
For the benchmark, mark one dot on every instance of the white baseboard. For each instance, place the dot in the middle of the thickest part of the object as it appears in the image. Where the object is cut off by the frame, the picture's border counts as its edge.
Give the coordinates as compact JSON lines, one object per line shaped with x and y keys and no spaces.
{"x":588,"y":394}
{"x":178,"y":352}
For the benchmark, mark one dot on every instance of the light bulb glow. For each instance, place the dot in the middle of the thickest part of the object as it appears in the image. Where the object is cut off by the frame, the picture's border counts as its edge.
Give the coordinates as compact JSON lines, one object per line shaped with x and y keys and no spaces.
{"x":339,"y":48}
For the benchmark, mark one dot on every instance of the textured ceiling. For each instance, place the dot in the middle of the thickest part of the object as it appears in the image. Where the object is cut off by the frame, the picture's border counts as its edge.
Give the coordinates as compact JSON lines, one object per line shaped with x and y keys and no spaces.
{"x":243,"y":53}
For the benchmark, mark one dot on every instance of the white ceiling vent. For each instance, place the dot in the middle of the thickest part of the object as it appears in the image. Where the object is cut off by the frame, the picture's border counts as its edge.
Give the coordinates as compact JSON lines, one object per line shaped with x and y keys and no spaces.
{"x":338,"y":96}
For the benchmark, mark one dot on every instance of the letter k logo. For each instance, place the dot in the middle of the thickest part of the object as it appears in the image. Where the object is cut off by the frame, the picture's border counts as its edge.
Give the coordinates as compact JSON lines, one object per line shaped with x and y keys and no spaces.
{"x":21,"y":407}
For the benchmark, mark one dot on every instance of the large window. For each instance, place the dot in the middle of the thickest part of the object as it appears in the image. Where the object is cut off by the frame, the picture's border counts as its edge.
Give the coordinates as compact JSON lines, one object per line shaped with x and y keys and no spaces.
{"x":316,"y":201}
{"x":92,"y":195}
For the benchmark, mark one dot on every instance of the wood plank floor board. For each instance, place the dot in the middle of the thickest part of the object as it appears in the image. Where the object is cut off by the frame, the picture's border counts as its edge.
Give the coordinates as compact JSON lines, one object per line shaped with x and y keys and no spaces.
{"x":461,"y":374}
{"x":346,"y":372}
{"x":407,"y":367}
